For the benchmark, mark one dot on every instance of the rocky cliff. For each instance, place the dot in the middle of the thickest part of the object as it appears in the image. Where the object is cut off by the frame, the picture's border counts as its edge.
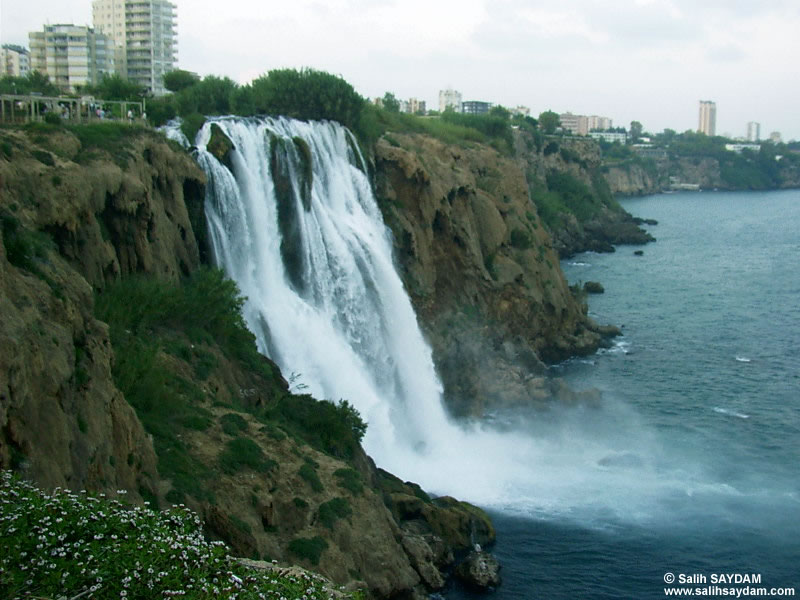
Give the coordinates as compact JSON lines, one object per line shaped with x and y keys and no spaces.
{"x":481,"y":270}
{"x":69,"y":227}
{"x":152,"y":400}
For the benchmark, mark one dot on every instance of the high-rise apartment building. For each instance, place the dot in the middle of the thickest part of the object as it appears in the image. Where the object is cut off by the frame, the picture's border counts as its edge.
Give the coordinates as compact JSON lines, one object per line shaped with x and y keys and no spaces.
{"x":14,"y":61}
{"x":449,"y":98}
{"x":708,"y":118}
{"x":72,"y":56}
{"x":753,"y":131}
{"x":144,"y":31}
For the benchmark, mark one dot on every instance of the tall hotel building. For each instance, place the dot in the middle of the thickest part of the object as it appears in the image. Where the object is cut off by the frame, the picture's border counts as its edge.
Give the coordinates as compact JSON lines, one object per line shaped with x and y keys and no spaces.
{"x":144,"y":31}
{"x":708,"y":118}
{"x":753,"y":131}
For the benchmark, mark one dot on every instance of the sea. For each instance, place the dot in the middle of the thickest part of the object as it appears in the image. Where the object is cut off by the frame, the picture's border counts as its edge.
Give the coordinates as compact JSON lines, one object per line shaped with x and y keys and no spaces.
{"x":687,"y":475}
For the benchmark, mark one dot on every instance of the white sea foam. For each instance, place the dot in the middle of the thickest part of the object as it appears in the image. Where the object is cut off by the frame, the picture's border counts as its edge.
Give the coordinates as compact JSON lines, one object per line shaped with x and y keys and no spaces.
{"x":743,"y":359}
{"x":731,"y":413}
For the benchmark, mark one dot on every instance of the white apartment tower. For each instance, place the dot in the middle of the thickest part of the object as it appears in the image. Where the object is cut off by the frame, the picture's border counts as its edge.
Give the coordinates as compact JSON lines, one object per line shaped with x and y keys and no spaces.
{"x":72,"y":56}
{"x":753,"y":131}
{"x":708,"y":118}
{"x":14,"y":61}
{"x":144,"y":31}
{"x":449,"y":98}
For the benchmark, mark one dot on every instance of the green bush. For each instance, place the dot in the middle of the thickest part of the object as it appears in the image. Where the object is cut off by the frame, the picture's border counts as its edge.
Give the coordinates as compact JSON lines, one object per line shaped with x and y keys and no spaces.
{"x":336,"y":429}
{"x":350,"y":479}
{"x":233,"y":423}
{"x":44,"y":157}
{"x":333,"y":510}
{"x":309,"y":548}
{"x":521,"y":239}
{"x":309,"y":474}
{"x":242,"y":453}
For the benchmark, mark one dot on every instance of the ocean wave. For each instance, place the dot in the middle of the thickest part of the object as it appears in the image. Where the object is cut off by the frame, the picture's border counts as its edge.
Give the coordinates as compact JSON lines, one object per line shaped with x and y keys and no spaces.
{"x":731,"y":413}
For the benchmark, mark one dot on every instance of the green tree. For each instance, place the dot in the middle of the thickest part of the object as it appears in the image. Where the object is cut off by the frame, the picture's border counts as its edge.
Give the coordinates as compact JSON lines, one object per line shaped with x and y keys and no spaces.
{"x":636,"y":130}
{"x":116,"y":87}
{"x":34,"y":82}
{"x":178,"y":80}
{"x":549,"y":121}
{"x":305,"y":94}
{"x":390,"y":102}
{"x":500,"y":111}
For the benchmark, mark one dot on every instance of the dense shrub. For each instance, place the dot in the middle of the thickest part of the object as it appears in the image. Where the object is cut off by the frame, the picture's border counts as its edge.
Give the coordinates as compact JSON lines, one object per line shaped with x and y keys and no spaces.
{"x":333,"y":510}
{"x":241,"y":453}
{"x":350,"y":480}
{"x":309,"y":548}
{"x":233,"y":423}
{"x":336,"y":429}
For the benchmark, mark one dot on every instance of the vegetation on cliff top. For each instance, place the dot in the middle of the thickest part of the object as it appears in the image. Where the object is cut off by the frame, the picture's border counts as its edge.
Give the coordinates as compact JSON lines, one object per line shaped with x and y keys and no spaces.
{"x":73,"y":545}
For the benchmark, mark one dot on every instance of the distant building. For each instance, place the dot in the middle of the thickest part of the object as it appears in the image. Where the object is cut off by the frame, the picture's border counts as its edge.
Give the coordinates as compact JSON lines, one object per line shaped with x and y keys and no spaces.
{"x":475,"y":107}
{"x":449,"y":98}
{"x":72,"y":56}
{"x":522,"y":111}
{"x":582,"y":124}
{"x":609,"y":136}
{"x":595,"y":123}
{"x":775,"y":137}
{"x":649,"y":151}
{"x":753,"y":131}
{"x":146,"y":41}
{"x":14,"y":61}
{"x":575,"y":124}
{"x":739,"y":147}
{"x":707,"y":122}
{"x":415,"y":106}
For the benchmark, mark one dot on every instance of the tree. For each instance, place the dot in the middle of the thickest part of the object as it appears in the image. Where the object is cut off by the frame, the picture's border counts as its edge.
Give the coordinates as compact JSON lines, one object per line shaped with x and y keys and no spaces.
{"x":549,"y":121}
{"x":116,"y":87}
{"x":178,"y":80}
{"x":500,"y":111}
{"x":636,"y":130}
{"x":33,"y":82}
{"x":390,"y":102}
{"x":305,"y":94}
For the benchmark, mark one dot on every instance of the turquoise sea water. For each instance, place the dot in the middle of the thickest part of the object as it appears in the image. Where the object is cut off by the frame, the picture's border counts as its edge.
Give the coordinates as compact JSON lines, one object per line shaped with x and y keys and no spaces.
{"x":700,"y":411}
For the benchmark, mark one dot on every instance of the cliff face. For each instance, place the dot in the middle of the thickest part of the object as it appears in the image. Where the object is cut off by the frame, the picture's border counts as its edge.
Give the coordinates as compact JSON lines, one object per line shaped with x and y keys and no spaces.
{"x":481,"y":271}
{"x":633,"y":179}
{"x":67,"y":228}
{"x":79,"y":215}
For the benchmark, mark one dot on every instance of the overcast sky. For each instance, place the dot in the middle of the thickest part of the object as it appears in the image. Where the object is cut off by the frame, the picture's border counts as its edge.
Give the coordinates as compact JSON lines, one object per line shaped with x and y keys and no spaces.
{"x":649,"y":60}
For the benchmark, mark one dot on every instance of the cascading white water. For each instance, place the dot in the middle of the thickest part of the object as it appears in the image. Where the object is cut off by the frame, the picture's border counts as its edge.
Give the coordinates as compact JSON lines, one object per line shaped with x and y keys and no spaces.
{"x":331,"y":307}
{"x":306,"y":244}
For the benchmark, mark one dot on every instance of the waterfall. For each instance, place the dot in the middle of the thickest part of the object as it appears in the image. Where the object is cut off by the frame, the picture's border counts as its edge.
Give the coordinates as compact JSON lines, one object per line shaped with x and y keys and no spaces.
{"x":292,"y":219}
{"x":296,"y":225}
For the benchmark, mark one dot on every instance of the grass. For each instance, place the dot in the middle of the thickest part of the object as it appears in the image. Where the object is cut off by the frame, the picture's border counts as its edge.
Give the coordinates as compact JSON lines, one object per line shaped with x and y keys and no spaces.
{"x":75,"y":545}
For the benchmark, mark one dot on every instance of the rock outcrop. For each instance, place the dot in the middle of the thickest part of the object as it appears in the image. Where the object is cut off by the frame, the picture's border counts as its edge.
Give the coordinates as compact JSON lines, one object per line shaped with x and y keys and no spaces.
{"x":481,"y":271}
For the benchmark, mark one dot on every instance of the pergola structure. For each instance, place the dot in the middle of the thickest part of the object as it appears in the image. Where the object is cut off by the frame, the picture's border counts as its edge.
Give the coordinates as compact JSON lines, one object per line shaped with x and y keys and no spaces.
{"x":33,"y":107}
